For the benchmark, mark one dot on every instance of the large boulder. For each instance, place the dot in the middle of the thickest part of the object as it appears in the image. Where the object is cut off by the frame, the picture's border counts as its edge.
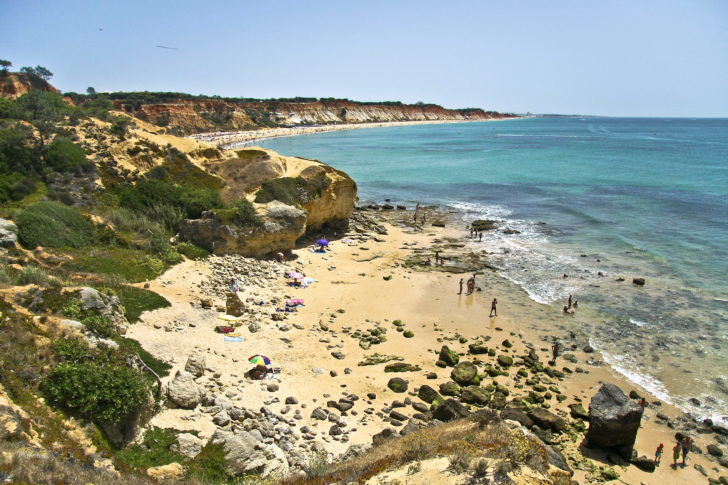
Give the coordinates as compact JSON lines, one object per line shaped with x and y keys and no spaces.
{"x":450,"y":388}
{"x":184,"y":391}
{"x":613,"y":421}
{"x":8,"y":234}
{"x":475,"y":395}
{"x":188,"y":445}
{"x":545,"y":419}
{"x":450,"y":410}
{"x":465,"y":374}
{"x":449,"y":357}
{"x":173,"y":471}
{"x":397,"y":384}
{"x":195,"y":364}
{"x":246,"y":455}
{"x":428,"y":394}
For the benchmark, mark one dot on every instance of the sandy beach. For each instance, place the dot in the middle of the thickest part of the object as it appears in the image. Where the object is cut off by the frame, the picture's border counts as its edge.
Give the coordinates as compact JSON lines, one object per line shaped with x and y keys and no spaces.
{"x":236,"y":139}
{"x":361,"y":285}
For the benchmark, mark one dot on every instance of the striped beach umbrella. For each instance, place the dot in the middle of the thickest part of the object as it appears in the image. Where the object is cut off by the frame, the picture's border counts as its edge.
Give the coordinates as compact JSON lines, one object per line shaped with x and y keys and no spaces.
{"x":260,"y":360}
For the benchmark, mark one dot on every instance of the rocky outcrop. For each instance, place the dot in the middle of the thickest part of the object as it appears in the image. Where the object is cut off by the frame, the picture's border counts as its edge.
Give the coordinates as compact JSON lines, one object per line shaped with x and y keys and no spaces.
{"x":15,"y":84}
{"x":184,"y":391}
{"x":108,"y":306}
{"x":281,"y":227}
{"x":246,"y":455}
{"x":188,"y":445}
{"x":8,"y":234}
{"x":613,"y":421}
{"x":328,"y":201}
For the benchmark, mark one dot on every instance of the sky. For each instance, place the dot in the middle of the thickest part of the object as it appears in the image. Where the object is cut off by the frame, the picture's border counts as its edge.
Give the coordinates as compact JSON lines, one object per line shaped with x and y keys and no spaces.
{"x":602,"y":57}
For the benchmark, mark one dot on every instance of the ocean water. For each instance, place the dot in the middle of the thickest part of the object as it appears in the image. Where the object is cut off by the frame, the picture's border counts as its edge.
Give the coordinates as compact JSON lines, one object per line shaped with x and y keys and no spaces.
{"x":630,"y":197}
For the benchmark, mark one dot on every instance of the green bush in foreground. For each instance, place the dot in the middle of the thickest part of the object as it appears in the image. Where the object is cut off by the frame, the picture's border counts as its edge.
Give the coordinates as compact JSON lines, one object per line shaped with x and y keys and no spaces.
{"x":99,"y":393}
{"x":53,"y":225}
{"x":192,"y":251}
{"x":153,"y":451}
{"x":71,"y":349}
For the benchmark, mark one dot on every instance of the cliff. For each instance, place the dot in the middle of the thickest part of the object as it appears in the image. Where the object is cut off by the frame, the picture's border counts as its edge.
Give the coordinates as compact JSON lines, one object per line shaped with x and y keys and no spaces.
{"x":194,"y":115}
{"x":15,"y":84}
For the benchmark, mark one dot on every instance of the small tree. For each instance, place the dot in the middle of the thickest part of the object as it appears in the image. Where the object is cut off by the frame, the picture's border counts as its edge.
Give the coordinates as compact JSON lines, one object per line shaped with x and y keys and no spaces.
{"x":90,"y":91}
{"x":43,"y":110}
{"x":5,"y":65}
{"x":39,"y":71}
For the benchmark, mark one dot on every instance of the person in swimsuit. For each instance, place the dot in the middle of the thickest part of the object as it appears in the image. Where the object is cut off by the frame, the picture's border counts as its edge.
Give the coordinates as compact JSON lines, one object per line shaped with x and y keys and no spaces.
{"x":493,"y":311}
{"x":658,"y":454}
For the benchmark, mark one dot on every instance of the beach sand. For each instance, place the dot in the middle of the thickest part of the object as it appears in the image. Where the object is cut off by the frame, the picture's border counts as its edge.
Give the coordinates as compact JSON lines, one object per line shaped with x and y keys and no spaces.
{"x":352,"y":293}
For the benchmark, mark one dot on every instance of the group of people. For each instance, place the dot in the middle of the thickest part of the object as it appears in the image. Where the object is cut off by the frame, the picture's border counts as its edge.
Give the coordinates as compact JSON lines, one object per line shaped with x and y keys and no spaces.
{"x":682,"y":447}
{"x":474,"y":234}
{"x":571,"y":306}
{"x":471,"y":289}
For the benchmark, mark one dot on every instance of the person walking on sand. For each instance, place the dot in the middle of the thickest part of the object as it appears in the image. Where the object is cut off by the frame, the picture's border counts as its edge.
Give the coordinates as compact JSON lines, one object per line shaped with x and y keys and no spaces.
{"x":676,"y":454}
{"x":471,"y":285}
{"x":658,"y":454}
{"x":555,"y":351}
{"x":461,"y":287}
{"x":493,"y":311}
{"x":686,"y":445}
{"x":480,"y":237}
{"x":570,"y":301}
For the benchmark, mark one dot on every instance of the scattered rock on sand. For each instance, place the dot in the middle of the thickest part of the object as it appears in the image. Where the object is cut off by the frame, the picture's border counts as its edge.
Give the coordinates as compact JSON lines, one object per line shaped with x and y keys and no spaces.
{"x":450,"y":410}
{"x":195,"y":364}
{"x":397,"y":384}
{"x":465,"y":374}
{"x":449,"y":357}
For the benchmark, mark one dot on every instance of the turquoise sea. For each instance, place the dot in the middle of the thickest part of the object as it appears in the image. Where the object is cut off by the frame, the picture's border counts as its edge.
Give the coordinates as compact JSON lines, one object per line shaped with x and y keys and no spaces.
{"x":644,"y":197}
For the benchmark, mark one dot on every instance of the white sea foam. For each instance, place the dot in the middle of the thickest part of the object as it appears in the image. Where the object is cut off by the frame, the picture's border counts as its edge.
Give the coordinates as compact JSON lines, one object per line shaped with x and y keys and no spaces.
{"x":625,"y":366}
{"x":526,"y":257}
{"x":639,"y":323}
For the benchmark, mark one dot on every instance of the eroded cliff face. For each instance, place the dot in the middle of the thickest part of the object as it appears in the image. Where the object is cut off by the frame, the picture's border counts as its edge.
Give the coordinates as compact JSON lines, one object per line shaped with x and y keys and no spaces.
{"x":186,"y":116}
{"x":244,"y":172}
{"x":15,"y":84}
{"x":281,"y":226}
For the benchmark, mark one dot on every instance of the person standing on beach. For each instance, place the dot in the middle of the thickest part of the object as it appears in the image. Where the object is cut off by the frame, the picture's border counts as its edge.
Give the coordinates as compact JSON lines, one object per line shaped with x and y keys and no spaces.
{"x":555,"y":351}
{"x":493,"y":311}
{"x":480,"y":237}
{"x":658,"y":454}
{"x":569,"y":301}
{"x":461,"y":287}
{"x":676,"y":454}
{"x":471,"y":285}
{"x":686,"y":446}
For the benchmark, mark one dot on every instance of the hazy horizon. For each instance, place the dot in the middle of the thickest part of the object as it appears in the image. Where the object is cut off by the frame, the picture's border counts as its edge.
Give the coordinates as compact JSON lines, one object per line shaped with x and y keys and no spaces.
{"x":635,"y":59}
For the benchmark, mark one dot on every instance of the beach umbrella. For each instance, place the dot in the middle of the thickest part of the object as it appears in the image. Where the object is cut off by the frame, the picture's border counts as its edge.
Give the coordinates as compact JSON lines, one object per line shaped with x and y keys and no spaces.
{"x":228,"y":318}
{"x":322,"y":242}
{"x":295,"y":276}
{"x":260,"y":360}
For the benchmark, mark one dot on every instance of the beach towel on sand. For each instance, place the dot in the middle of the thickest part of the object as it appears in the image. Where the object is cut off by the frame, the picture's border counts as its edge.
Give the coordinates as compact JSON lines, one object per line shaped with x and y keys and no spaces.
{"x":294,"y":301}
{"x":233,"y":339}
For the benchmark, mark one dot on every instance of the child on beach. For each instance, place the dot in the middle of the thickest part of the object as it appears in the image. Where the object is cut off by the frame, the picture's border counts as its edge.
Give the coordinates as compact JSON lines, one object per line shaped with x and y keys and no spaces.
{"x":676,"y":454}
{"x":658,"y":454}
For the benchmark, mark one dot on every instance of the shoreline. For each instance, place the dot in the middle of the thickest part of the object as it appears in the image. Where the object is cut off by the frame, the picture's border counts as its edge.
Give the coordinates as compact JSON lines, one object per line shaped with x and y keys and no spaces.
{"x":239,"y":139}
{"x":334,"y":311}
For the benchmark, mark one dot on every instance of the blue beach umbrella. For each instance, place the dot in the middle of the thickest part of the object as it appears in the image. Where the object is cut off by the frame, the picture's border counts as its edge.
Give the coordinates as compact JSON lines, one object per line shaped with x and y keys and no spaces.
{"x":322,"y":242}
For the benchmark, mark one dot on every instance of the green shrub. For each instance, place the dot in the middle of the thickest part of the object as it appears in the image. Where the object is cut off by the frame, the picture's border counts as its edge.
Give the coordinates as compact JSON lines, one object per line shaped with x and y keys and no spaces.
{"x":99,"y":393}
{"x":138,"y":300}
{"x":71,"y":349}
{"x":15,"y":186}
{"x":100,"y":325}
{"x":131,"y":265}
{"x":54,"y":225}
{"x":153,"y":451}
{"x":209,"y":465}
{"x":291,"y":191}
{"x":32,"y":275}
{"x":147,"y":193}
{"x":192,"y":251}
{"x":63,"y":155}
{"x":240,"y":213}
